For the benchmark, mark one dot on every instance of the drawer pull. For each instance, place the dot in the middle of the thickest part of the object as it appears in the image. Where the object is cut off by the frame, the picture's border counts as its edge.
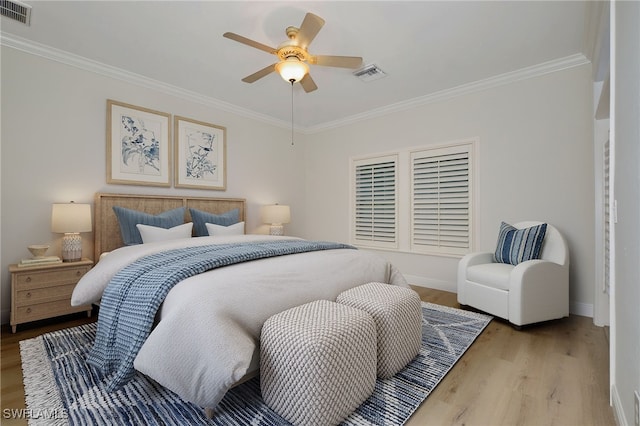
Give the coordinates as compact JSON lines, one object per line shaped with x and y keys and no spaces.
{"x":28,"y":310}
{"x":28,"y":279}
{"x":28,"y":295}
{"x":78,"y":273}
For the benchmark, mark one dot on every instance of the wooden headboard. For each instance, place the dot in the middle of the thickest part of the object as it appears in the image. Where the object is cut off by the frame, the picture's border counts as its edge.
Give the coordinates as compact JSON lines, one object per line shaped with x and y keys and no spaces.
{"x":107,"y":231}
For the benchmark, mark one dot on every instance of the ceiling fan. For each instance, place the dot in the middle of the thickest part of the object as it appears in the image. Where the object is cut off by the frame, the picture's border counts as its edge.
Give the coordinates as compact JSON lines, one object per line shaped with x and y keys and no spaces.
{"x":294,"y":56}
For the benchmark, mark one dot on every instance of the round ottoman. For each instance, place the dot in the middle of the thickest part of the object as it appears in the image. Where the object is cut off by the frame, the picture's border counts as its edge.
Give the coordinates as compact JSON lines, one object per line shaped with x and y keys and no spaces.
{"x":317,"y":362}
{"x":397,"y":312}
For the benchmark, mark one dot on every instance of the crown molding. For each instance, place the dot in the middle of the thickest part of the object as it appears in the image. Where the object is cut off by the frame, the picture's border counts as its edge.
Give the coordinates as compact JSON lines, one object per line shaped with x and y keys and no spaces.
{"x":476,"y":86}
{"x":57,"y":55}
{"x":48,"y":52}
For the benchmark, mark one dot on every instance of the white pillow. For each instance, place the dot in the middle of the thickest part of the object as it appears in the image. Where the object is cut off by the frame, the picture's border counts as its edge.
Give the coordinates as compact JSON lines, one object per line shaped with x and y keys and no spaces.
{"x":218,"y":230}
{"x":151,"y":234}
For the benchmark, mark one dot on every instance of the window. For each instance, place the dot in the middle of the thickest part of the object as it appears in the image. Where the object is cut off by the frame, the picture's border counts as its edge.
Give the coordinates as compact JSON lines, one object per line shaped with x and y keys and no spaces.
{"x":374,"y":202}
{"x":441,"y":200}
{"x":416,"y":200}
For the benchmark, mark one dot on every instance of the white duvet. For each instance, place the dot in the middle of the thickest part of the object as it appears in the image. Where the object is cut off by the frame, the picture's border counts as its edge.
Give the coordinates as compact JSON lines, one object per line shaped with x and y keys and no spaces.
{"x":207,"y":336}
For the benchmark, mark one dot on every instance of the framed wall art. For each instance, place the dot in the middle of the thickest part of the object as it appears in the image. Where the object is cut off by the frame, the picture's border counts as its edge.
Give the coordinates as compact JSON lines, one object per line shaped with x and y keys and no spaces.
{"x":138,"y":145}
{"x":200,"y":154}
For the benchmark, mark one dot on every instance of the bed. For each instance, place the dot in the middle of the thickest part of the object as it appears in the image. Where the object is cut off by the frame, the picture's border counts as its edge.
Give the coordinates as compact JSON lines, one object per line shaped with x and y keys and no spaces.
{"x":205,"y":335}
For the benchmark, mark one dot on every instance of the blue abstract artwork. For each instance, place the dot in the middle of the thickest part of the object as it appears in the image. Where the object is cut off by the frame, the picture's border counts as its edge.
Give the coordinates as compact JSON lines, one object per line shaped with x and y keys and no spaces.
{"x":140,"y":146}
{"x":201,"y":162}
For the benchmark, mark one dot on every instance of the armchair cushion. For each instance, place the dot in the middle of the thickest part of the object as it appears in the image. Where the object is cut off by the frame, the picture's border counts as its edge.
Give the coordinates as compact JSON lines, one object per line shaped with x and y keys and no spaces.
{"x":517,"y":245}
{"x":494,"y":275}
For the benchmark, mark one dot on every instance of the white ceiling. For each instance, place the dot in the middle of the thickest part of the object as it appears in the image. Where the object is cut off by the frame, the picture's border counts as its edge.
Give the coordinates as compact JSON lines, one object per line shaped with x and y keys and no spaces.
{"x":426,"y":48}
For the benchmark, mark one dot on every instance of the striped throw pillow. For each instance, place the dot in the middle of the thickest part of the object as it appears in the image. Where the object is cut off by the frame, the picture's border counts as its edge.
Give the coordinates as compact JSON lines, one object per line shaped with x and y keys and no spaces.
{"x":517,"y":245}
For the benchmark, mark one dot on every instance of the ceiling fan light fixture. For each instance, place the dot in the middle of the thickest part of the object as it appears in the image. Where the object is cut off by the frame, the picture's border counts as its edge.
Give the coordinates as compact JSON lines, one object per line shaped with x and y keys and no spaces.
{"x":292,"y":69}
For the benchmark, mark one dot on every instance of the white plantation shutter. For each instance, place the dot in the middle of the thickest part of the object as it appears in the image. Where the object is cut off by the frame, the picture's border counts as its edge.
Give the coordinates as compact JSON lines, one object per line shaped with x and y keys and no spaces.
{"x":374,"y":202}
{"x":441,"y":200}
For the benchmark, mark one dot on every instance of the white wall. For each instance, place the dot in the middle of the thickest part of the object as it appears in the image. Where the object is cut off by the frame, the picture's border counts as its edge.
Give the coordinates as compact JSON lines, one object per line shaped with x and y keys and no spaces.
{"x":53,"y":150}
{"x":535,"y":162}
{"x":626,"y":142}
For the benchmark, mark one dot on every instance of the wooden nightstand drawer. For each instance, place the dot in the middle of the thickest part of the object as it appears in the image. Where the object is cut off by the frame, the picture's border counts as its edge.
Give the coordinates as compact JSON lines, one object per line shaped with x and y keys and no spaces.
{"x":44,"y":291}
{"x":44,"y":294}
{"x":36,"y":279}
{"x":47,"y":310}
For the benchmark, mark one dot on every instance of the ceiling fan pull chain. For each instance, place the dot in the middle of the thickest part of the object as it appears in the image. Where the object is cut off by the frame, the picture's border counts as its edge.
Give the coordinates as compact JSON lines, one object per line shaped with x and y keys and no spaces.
{"x":292,"y":81}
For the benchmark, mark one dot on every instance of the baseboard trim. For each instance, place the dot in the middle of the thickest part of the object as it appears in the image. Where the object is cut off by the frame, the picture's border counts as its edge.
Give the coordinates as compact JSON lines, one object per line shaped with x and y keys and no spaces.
{"x":616,"y":403}
{"x":431,"y":283}
{"x":581,"y":309}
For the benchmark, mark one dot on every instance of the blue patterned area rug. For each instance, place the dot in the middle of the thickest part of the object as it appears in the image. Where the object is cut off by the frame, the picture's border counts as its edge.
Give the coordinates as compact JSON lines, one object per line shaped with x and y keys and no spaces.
{"x":62,"y":389}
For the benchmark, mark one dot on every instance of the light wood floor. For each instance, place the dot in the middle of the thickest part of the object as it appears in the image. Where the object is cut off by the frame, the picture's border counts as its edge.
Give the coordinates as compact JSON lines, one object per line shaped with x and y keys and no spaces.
{"x":556,"y":373}
{"x":550,"y":374}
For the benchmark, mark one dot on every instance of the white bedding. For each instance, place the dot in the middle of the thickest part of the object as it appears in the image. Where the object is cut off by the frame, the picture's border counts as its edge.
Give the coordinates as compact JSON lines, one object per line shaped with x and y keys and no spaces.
{"x":209,"y":325}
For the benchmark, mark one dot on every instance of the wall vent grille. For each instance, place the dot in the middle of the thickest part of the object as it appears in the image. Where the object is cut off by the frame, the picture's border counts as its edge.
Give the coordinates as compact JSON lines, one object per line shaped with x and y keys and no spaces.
{"x":369,"y":73}
{"x":16,"y":10}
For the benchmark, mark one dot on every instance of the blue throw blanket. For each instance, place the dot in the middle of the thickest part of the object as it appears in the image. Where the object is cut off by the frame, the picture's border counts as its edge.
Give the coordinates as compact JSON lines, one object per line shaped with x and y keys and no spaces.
{"x":134,"y":295}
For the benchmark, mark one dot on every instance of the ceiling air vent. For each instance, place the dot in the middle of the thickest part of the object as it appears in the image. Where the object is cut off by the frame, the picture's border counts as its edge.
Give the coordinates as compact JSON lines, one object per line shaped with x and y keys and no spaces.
{"x":369,"y":73}
{"x":16,"y":10}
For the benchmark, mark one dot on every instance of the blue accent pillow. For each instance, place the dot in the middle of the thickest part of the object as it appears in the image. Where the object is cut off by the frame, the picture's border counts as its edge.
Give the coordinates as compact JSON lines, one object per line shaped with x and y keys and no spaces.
{"x":517,"y":245}
{"x":200,"y":219}
{"x":128,"y":219}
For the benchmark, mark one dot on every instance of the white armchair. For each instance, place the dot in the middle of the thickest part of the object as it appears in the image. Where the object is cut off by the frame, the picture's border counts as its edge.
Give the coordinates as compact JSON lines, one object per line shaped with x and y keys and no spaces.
{"x":531,"y":291}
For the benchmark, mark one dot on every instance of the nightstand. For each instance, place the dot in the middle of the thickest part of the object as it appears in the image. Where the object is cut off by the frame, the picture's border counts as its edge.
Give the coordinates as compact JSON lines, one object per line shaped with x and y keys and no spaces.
{"x":44,"y":291}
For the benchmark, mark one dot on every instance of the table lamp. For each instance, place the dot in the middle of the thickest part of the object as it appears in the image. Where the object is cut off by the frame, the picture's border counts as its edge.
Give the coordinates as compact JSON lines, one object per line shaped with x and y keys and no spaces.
{"x":71,"y":219}
{"x":276,"y":215}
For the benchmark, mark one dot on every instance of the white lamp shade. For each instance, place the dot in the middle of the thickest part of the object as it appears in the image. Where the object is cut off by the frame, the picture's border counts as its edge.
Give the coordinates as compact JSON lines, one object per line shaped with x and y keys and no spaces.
{"x":71,"y":217}
{"x":292,"y":69}
{"x":276,"y":214}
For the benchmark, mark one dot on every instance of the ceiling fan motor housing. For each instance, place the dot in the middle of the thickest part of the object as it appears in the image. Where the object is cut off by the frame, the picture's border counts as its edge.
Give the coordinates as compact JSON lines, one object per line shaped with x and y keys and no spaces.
{"x":286,"y":51}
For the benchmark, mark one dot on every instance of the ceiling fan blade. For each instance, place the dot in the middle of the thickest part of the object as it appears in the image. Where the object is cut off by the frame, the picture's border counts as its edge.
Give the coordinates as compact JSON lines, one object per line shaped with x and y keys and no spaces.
{"x":310,"y":27}
{"x":308,"y":84}
{"x":258,"y":75}
{"x":249,"y":42}
{"x":336,"y":61}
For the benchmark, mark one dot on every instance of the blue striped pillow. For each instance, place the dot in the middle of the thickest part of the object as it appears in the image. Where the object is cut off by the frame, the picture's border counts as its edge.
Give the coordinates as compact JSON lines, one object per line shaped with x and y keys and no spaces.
{"x":200,"y":220}
{"x":517,"y":245}
{"x":128,"y":219}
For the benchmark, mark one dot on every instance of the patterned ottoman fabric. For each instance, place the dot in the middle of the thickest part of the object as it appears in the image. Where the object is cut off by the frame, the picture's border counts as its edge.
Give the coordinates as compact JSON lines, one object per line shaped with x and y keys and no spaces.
{"x":317,"y":362}
{"x":398,"y":316}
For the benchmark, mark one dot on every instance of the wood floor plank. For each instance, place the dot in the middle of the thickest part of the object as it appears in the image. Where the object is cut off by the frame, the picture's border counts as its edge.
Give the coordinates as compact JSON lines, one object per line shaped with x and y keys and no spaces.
{"x":554,"y":373}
